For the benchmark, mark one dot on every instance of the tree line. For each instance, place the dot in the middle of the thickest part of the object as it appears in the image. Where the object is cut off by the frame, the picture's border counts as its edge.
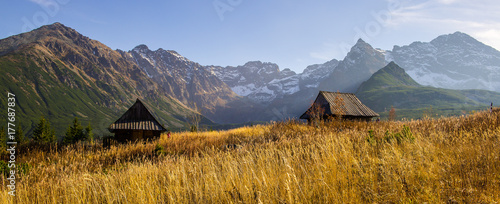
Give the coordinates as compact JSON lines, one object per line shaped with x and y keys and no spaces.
{"x":44,"y":135}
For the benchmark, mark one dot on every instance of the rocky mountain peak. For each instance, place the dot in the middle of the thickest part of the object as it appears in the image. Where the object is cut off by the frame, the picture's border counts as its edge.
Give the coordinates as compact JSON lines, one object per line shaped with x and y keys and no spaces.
{"x":42,"y":35}
{"x":60,"y":31}
{"x":360,"y":52}
{"x":361,"y":44}
{"x":455,"y":38}
{"x":261,"y":68}
{"x":56,"y":26}
{"x":364,"y":54}
{"x":141,"y":48}
{"x":360,"y":41}
{"x":287,"y":72}
{"x":359,"y":64}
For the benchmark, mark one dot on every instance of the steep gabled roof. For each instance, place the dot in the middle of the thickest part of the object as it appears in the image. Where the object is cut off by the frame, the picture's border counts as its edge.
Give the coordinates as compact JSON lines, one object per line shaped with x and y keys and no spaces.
{"x":351,"y":106}
{"x":137,"y":117}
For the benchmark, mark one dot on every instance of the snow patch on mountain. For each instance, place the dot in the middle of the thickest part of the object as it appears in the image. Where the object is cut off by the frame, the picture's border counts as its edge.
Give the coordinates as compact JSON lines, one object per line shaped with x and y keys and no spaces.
{"x":264,"y":82}
{"x":244,"y":90}
{"x":454,"y":61}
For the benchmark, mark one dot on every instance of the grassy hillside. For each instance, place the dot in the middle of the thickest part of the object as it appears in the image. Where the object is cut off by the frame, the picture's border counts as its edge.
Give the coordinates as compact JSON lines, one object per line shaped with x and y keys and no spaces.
{"x":447,"y":160}
{"x":60,"y":94}
{"x":38,"y":93}
{"x":60,"y":74}
{"x":391,"y":86}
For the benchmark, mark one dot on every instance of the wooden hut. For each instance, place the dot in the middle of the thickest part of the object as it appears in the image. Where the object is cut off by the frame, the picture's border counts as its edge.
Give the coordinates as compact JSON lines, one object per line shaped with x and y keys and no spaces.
{"x":332,"y":104}
{"x":136,"y":124}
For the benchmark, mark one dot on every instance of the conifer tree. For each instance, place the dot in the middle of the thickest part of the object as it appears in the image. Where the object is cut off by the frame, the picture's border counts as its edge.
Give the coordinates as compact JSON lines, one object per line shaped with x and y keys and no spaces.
{"x":88,"y":135}
{"x":3,"y":138}
{"x":20,"y":137}
{"x":74,"y":133}
{"x":43,"y":133}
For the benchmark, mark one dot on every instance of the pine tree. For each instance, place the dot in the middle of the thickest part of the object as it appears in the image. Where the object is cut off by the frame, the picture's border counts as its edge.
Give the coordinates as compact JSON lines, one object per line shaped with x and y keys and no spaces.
{"x":74,"y":132}
{"x":3,"y":138}
{"x":43,"y":133}
{"x":89,"y":135}
{"x":20,"y":137}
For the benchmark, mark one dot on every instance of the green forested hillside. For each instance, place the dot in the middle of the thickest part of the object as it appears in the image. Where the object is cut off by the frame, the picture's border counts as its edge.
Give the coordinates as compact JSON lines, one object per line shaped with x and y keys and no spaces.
{"x":57,"y":73}
{"x":391,"y":86}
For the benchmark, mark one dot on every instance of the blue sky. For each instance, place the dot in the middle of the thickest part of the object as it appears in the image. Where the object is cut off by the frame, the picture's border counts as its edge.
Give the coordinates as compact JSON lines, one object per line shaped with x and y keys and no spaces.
{"x":291,"y":33}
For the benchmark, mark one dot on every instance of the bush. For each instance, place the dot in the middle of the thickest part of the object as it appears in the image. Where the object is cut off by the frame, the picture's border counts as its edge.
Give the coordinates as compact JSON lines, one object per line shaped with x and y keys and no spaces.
{"x":404,"y":135}
{"x":159,"y":150}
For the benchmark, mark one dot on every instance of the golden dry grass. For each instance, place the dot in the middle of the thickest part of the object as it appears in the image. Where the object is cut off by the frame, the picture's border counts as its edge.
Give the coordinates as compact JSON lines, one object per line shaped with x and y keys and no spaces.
{"x":448,"y":160}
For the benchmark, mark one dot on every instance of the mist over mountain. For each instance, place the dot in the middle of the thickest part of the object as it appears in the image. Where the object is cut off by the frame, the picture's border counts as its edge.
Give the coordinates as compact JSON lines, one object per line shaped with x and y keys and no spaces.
{"x":359,"y":64}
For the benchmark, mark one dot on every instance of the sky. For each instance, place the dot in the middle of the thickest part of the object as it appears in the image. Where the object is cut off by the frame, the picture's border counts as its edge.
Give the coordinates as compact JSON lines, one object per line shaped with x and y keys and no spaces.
{"x":290,"y":33}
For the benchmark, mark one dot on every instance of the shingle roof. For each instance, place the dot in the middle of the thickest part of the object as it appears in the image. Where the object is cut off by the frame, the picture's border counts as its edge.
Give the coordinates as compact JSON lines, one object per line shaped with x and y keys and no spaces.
{"x":351,"y":106}
{"x":137,"y":117}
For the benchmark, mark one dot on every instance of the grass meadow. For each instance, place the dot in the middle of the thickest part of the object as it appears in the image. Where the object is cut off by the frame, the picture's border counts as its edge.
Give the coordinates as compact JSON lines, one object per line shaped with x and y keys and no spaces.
{"x":446,"y":160}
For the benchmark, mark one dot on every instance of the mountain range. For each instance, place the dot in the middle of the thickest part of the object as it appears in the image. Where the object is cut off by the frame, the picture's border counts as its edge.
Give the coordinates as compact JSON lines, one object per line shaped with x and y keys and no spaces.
{"x":194,"y":85}
{"x":59,"y":73}
{"x":454,"y":61}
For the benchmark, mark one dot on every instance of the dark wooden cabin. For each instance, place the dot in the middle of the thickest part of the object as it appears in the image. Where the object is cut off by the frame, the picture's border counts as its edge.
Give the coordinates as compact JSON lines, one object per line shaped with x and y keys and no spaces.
{"x":136,"y":124}
{"x":349,"y":105}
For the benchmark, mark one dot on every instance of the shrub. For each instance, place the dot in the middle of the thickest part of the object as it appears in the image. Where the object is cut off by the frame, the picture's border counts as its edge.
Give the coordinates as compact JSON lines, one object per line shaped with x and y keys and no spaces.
{"x":159,"y":150}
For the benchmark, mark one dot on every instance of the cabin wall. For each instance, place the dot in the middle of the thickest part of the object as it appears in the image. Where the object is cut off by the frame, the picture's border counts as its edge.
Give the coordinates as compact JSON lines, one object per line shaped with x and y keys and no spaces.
{"x":327,"y":117}
{"x":358,"y":118}
{"x":136,"y":135}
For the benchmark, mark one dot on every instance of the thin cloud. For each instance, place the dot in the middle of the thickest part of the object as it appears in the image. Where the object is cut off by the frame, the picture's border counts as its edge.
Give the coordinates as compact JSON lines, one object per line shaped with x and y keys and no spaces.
{"x":329,"y":50}
{"x":481,"y":11}
{"x":447,"y":1}
{"x":477,"y":18}
{"x":44,"y":3}
{"x":489,"y":37}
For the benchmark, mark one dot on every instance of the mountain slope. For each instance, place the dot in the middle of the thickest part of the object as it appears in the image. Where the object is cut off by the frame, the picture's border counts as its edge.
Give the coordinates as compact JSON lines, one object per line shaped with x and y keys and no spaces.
{"x":391,"y":86}
{"x":190,"y":83}
{"x":389,"y":76}
{"x":454,"y":61}
{"x":359,"y":64}
{"x":58,"y":73}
